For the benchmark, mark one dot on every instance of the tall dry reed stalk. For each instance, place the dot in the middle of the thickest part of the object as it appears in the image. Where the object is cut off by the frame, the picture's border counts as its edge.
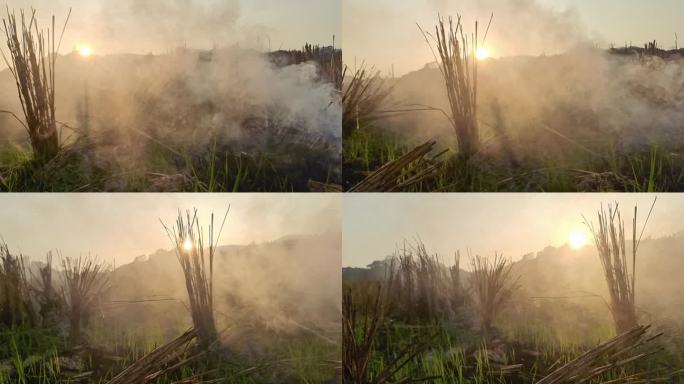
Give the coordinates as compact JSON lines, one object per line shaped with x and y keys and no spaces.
{"x":198,"y":268}
{"x":492,"y":285}
{"x":457,"y":61}
{"x":610,"y":242}
{"x":84,"y":281}
{"x":33,"y":55}
{"x":362,"y":96}
{"x":15,"y":297}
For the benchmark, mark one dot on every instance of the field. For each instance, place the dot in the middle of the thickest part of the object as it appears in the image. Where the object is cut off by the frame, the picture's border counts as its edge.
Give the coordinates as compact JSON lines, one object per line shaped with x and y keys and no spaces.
{"x":580,"y":121}
{"x":227,"y":119}
{"x":199,"y":313}
{"x":551,"y":317}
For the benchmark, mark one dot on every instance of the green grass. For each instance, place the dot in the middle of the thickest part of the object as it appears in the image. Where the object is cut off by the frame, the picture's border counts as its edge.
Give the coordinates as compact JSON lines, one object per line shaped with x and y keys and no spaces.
{"x":561,"y":168}
{"x":32,"y":356}
{"x":459,"y":356}
{"x":167,"y":169}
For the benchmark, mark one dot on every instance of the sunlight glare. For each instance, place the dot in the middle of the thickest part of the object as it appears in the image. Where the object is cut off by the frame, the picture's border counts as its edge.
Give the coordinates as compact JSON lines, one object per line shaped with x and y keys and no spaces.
{"x":482,"y":53}
{"x":187,"y":245}
{"x":85,"y":51}
{"x":578,"y":239}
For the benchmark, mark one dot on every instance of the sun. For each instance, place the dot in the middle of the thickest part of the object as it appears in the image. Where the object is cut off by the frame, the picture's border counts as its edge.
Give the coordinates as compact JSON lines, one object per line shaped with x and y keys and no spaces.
{"x":85,"y":50}
{"x":578,"y":239}
{"x":187,"y":245}
{"x":482,"y":53}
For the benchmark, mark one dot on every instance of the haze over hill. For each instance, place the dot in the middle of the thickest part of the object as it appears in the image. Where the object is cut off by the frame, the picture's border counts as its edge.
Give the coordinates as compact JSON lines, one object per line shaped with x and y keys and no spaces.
{"x":564,"y":290}
{"x":287,"y":285}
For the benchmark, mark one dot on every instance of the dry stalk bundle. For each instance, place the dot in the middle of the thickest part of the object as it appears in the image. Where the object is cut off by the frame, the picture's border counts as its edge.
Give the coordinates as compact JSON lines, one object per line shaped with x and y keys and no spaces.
{"x":493,"y":285}
{"x":359,"y":330}
{"x":164,"y":359}
{"x":84,"y":282}
{"x":33,"y":55}
{"x":423,"y":287}
{"x":408,"y":170}
{"x":362,"y":96}
{"x":609,"y":238}
{"x":197,"y":263}
{"x":614,"y":354}
{"x":458,"y":64}
{"x":15,"y":300}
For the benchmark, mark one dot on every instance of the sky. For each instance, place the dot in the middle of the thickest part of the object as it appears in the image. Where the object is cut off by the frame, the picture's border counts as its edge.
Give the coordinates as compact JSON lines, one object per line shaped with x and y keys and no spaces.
{"x":373,"y":225}
{"x":383,"y":33}
{"x":143,"y":26}
{"x":120,"y":227}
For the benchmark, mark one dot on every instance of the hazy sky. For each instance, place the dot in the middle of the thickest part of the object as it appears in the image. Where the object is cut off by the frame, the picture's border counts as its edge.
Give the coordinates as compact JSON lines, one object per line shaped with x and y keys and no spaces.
{"x":141,"y":26}
{"x":384,"y":32}
{"x":124,"y":226}
{"x":515,"y":224}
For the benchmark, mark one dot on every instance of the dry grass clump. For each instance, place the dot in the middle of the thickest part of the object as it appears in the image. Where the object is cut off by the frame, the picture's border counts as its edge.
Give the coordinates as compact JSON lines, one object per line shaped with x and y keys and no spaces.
{"x":33,"y":55}
{"x":362,"y":96}
{"x":198,"y":268}
{"x":410,"y":169}
{"x":609,"y":238}
{"x":612,"y":355}
{"x":46,"y":295}
{"x":85,"y":280}
{"x":492,"y":285}
{"x":423,"y":286}
{"x":458,"y":65}
{"x":15,"y":296}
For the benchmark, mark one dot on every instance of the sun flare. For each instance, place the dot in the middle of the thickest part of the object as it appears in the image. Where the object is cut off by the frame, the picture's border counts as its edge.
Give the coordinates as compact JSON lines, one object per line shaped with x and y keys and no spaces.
{"x":187,"y":245}
{"x":85,"y":50}
{"x":482,"y":53}
{"x":578,"y":239}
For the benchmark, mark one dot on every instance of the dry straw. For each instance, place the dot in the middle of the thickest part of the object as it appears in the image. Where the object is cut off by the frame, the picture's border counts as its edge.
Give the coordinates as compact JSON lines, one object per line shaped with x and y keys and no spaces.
{"x":609,"y":238}
{"x":33,"y":55}
{"x":84,"y":282}
{"x":15,"y":300}
{"x":198,"y":268}
{"x":360,"y":329}
{"x":492,"y":285}
{"x":456,"y":58}
{"x":362,"y":96}
{"x":613,"y":355}
{"x":164,"y":359}
{"x":403,"y":173}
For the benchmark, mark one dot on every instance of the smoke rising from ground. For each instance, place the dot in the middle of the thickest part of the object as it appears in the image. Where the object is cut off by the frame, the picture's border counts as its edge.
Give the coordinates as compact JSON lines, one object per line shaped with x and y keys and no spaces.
{"x":587,"y":95}
{"x":567,"y":84}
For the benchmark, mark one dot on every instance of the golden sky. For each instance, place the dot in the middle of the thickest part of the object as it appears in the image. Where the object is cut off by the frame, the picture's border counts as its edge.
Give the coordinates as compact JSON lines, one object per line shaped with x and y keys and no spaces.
{"x":384,"y":33}
{"x":143,"y":26}
{"x":123,"y":226}
{"x":515,"y":224}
